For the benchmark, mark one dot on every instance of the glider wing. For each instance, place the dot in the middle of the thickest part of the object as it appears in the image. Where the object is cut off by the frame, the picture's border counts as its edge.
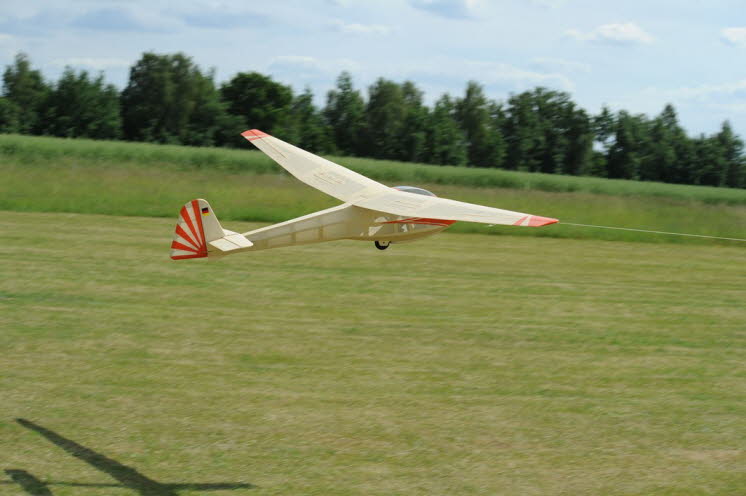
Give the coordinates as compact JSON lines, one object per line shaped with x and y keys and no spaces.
{"x":356,"y":189}
{"x":427,"y":207}
{"x":322,"y":174}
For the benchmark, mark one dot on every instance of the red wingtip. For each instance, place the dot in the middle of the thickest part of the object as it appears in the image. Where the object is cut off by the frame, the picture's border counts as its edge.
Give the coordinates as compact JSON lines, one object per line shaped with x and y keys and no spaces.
{"x":253,"y":134}
{"x":536,"y":221}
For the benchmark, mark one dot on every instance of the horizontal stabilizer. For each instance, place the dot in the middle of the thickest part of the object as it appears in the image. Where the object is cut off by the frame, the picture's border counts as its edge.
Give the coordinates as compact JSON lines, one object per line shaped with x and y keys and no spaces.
{"x":231,"y":241}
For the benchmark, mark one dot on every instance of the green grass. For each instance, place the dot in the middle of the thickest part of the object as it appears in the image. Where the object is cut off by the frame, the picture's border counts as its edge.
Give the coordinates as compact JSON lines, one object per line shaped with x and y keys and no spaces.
{"x":44,"y":151}
{"x":462,"y":364}
{"x":114,"y":178}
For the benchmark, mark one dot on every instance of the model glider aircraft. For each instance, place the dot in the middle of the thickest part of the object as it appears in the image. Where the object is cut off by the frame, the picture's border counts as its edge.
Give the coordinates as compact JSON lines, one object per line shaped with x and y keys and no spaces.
{"x":370,"y":212}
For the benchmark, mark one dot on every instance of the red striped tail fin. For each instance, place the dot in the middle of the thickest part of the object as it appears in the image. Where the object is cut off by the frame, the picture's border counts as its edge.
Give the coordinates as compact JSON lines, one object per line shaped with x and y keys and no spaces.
{"x":199,"y":233}
{"x":189,"y":239}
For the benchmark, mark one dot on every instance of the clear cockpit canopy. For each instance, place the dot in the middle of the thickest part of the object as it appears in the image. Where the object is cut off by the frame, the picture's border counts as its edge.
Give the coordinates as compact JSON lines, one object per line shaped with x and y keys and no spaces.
{"x":415,"y":190}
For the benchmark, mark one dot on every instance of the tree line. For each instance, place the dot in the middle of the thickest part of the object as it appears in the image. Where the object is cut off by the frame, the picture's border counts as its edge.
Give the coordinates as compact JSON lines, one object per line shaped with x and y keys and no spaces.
{"x":169,"y":99}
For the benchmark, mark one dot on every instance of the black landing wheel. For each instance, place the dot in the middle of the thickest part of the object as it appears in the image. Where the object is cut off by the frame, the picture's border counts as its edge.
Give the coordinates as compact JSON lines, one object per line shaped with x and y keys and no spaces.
{"x":382,"y":245}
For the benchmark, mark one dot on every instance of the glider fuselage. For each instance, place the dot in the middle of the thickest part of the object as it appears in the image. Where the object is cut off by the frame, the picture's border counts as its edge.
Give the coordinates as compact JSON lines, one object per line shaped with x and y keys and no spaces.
{"x":344,"y":222}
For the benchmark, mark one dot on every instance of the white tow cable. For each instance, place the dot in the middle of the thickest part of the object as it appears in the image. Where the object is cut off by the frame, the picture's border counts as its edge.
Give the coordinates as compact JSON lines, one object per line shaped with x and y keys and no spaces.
{"x":654,"y":232}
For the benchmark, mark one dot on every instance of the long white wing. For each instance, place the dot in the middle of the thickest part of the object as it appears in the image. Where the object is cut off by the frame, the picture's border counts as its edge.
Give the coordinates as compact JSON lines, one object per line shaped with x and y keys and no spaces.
{"x":351,"y":187}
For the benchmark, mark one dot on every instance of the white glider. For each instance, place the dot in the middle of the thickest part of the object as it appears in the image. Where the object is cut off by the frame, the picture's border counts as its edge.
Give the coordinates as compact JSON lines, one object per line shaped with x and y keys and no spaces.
{"x":370,"y":212}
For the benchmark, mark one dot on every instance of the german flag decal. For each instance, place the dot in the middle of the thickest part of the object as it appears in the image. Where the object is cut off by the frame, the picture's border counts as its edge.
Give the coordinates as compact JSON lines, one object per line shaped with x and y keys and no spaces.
{"x":205,"y":211}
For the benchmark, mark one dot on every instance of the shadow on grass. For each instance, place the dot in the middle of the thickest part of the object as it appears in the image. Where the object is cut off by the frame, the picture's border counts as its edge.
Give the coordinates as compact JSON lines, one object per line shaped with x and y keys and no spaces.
{"x":28,"y":483}
{"x":127,"y":477}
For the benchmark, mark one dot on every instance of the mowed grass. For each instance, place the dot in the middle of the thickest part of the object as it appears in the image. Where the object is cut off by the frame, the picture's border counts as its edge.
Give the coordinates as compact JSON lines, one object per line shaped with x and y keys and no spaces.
{"x":461,"y":364}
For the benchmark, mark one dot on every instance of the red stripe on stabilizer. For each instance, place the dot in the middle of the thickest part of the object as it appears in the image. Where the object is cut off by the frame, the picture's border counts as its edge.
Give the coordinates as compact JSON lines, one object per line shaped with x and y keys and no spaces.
{"x":178,"y":246}
{"x":181,"y":232}
{"x":254,"y":134}
{"x":188,"y":220}
{"x":536,"y":221}
{"x":195,"y":209}
{"x":520,"y":221}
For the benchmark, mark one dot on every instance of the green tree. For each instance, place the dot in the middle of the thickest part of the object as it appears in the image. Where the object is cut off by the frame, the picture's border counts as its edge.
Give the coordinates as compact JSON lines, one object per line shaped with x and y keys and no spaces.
{"x":25,"y":88}
{"x":667,"y":156}
{"x":578,"y":156}
{"x":384,"y":115}
{"x":306,"y":127}
{"x":625,"y":154}
{"x":81,"y":106}
{"x":603,"y":127}
{"x":209,"y":122}
{"x":484,"y":142}
{"x":8,"y":116}
{"x":709,"y":160}
{"x":445,"y":142}
{"x":414,"y":133}
{"x":546,"y":132}
{"x":168,"y":99}
{"x":260,"y":101}
{"x":345,"y":114}
{"x":524,"y":136}
{"x":731,"y":146}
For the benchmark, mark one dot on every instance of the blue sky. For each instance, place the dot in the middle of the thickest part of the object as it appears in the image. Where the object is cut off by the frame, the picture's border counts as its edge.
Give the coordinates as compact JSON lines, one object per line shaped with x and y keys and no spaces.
{"x":635,"y":55}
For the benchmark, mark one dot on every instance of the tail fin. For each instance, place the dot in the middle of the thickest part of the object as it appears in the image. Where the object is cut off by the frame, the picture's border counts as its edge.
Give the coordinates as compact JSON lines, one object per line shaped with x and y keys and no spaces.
{"x":199,"y":233}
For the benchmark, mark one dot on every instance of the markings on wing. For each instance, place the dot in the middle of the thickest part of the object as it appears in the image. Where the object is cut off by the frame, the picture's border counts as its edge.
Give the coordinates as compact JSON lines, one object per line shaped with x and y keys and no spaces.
{"x":399,"y":202}
{"x":330,"y":177}
{"x":453,"y":209}
{"x":271,"y":149}
{"x":477,"y":213}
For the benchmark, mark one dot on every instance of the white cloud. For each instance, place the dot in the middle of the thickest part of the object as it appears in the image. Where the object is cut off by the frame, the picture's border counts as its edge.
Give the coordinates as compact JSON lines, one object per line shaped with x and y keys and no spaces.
{"x":560,"y":65}
{"x":124,"y":19}
{"x":497,"y":75}
{"x":302,"y":60}
{"x":622,"y":33}
{"x":224,"y":19}
{"x":734,"y":36}
{"x":310,"y":68}
{"x":550,"y":4}
{"x":8,"y":44}
{"x":453,"y":9}
{"x":98,"y":63}
{"x":729,"y":108}
{"x":361,"y":29}
{"x":707,"y":93}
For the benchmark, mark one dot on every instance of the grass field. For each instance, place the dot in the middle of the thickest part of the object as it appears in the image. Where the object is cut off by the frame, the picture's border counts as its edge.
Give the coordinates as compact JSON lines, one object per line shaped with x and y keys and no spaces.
{"x":462,"y":364}
{"x":45,"y":151}
{"x":114,"y":178}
